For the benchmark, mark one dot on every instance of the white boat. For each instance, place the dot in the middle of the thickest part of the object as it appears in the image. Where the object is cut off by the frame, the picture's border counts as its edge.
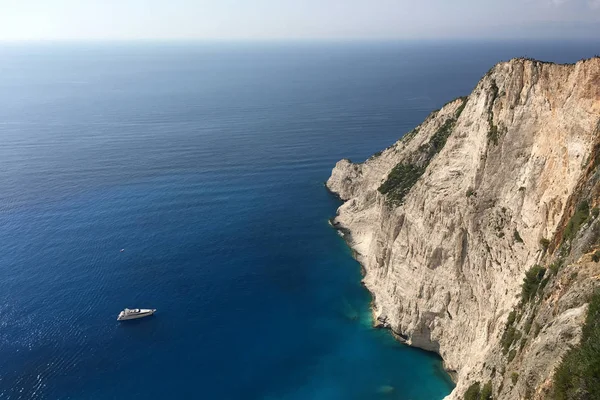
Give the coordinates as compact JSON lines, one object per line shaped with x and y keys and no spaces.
{"x":135,"y":313}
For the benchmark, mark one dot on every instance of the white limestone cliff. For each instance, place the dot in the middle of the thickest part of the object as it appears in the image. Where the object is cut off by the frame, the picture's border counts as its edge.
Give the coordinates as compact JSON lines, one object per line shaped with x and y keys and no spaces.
{"x":445,"y":263}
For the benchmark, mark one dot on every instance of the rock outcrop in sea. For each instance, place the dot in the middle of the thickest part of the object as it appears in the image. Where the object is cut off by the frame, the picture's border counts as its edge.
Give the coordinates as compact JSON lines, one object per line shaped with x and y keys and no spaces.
{"x":450,"y":220}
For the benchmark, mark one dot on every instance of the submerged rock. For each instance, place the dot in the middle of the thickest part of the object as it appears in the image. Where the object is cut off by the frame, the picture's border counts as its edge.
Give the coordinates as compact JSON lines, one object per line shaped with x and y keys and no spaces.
{"x":385,"y":389}
{"x":349,"y":311}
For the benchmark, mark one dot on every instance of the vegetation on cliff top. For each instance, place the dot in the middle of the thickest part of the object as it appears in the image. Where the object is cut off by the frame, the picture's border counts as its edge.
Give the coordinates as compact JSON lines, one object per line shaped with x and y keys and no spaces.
{"x":461,"y":108}
{"x":577,"y":377}
{"x":400,"y":180}
{"x":438,"y":140}
{"x":405,"y":174}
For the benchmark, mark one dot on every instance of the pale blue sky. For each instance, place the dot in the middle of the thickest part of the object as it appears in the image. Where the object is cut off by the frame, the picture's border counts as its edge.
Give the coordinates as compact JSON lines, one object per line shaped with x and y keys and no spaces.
{"x":296,"y":19}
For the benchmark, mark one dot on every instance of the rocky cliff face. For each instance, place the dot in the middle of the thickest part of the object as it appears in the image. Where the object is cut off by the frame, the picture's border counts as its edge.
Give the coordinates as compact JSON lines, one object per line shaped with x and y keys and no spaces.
{"x":448,"y":219}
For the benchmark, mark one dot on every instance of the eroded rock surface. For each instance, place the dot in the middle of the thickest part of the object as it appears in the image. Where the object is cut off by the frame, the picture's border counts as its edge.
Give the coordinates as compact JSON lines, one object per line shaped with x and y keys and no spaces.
{"x":445,"y":261}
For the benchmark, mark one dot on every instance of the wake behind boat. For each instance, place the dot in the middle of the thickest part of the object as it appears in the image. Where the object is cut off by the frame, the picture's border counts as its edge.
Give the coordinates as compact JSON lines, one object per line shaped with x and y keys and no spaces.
{"x":135,"y":313}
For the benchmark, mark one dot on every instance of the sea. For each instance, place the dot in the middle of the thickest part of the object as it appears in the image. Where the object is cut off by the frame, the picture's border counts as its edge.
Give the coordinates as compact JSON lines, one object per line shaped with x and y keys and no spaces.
{"x":189,"y":177}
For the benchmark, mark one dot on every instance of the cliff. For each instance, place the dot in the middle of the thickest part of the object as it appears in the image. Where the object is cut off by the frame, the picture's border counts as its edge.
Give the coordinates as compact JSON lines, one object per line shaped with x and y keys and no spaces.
{"x":447,"y":221}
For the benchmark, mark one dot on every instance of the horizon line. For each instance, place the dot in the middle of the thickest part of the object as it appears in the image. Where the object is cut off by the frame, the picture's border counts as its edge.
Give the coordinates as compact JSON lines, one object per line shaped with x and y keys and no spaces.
{"x":296,"y":40}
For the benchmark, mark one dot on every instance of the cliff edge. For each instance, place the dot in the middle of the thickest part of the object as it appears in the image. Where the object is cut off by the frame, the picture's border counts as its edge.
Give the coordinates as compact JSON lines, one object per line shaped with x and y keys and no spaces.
{"x":450,"y":220}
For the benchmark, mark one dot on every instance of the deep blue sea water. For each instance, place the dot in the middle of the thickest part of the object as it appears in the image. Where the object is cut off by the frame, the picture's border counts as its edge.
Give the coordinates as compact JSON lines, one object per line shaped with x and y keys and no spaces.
{"x":206,"y":163}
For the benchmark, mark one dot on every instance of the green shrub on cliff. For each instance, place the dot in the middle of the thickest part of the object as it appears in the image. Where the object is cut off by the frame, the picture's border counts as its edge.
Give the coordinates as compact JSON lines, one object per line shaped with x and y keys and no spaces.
{"x":374,"y":156}
{"x":511,"y":334}
{"x":473,"y":391}
{"x":531,"y":283}
{"x":556,"y":265}
{"x":512,"y":355}
{"x":486,"y":392}
{"x":536,"y":329}
{"x":514,"y":377}
{"x":461,"y":108}
{"x":517,"y":236}
{"x":476,"y":392}
{"x":577,"y":220}
{"x":493,"y":133}
{"x":400,"y":180}
{"x":508,"y":337}
{"x":512,"y":316}
{"x":578,"y":375}
{"x":529,"y":324}
{"x":404,"y":175}
{"x":544,"y":243}
{"x":410,"y":135}
{"x":438,"y":140}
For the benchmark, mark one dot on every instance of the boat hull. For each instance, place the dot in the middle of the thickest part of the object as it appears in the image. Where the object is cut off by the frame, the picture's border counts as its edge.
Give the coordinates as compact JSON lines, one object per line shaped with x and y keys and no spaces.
{"x":141,"y":314}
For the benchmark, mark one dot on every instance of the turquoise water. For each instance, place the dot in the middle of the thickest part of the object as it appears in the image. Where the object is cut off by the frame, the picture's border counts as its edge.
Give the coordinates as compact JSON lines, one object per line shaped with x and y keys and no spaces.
{"x":206,"y":163}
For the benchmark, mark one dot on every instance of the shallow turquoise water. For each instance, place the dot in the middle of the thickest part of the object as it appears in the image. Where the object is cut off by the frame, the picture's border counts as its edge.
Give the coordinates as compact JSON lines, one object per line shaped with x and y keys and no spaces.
{"x":206,"y":163}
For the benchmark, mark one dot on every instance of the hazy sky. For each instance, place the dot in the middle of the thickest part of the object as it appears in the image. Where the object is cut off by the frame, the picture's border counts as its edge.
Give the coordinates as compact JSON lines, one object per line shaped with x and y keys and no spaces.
{"x":303,"y":19}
